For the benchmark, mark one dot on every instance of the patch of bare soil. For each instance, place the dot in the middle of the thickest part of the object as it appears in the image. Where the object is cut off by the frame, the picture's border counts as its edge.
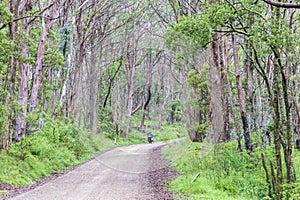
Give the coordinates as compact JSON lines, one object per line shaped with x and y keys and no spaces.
{"x":156,"y":181}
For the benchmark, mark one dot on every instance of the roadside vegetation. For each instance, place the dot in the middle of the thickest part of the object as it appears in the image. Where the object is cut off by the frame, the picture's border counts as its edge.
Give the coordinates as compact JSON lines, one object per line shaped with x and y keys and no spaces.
{"x":57,"y":146}
{"x":225,"y":69}
{"x":220,"y":172}
{"x":60,"y":145}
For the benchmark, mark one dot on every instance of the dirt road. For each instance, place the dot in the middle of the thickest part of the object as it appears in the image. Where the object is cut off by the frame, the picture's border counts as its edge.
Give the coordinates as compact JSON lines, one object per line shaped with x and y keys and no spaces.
{"x":118,"y":174}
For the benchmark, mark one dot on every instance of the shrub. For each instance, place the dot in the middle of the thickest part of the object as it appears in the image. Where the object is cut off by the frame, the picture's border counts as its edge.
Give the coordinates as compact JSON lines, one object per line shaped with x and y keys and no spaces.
{"x":57,"y":146}
{"x":221,"y":173}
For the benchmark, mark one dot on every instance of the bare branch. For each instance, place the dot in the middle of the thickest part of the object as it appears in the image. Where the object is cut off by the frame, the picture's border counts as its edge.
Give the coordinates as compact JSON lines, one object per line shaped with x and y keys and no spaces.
{"x":40,"y":13}
{"x":136,"y":109}
{"x":281,"y":4}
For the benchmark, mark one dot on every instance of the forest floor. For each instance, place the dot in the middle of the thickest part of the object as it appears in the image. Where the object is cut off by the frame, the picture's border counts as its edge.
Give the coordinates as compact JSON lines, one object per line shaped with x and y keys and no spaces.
{"x":130,"y":172}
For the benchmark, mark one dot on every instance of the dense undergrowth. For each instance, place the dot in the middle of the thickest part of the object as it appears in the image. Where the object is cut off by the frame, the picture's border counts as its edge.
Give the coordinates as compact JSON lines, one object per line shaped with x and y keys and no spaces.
{"x":57,"y":146}
{"x":168,"y":131}
{"x":220,"y":172}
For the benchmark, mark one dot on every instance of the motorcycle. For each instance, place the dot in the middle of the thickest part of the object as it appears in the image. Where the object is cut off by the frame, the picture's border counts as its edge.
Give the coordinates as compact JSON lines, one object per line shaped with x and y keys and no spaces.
{"x":150,"y":138}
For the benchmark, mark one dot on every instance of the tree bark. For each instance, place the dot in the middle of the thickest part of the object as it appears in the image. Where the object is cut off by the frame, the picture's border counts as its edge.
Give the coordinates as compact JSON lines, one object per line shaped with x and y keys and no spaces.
{"x":130,"y":69}
{"x":224,"y":83}
{"x":266,"y":174}
{"x":93,"y":82}
{"x":10,"y":81}
{"x":241,"y":97}
{"x":216,"y":108}
{"x":20,"y":129}
{"x":287,"y":146}
{"x":37,"y":76}
{"x":276,"y":132}
{"x":281,"y":4}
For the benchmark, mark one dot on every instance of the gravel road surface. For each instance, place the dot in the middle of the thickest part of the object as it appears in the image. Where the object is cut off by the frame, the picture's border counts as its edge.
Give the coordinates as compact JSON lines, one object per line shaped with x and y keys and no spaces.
{"x":123,"y":173}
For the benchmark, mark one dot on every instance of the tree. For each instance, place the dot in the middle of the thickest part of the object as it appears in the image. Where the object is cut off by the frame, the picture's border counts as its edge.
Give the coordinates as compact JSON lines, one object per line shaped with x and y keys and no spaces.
{"x":241,"y":97}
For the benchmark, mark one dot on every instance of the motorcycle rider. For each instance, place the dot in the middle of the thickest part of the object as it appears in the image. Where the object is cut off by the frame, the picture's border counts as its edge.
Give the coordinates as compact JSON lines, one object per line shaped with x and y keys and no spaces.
{"x":150,"y":136}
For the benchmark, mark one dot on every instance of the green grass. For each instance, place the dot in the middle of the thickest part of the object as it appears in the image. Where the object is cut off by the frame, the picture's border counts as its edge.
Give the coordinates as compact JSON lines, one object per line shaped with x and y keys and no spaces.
{"x":169,"y":131}
{"x":37,"y":156}
{"x":56,"y":147}
{"x":2,"y":192}
{"x":217,"y":172}
{"x":134,"y":137}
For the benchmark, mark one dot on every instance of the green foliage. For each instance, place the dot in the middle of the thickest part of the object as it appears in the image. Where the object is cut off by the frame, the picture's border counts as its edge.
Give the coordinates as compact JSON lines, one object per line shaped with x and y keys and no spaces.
{"x":53,"y":58}
{"x":199,"y":100}
{"x":174,"y":110}
{"x":6,"y":44}
{"x":180,"y":43}
{"x":170,"y":131}
{"x":57,"y":146}
{"x":198,"y":80}
{"x":200,"y":27}
{"x":291,"y":191}
{"x":202,"y":128}
{"x":135,"y":137}
{"x":196,"y":27}
{"x":113,"y":69}
{"x":167,"y":132}
{"x":223,"y":172}
{"x":6,"y":49}
{"x":2,"y":192}
{"x":65,"y":37}
{"x":32,"y":40}
{"x":220,"y":14}
{"x":105,"y":124}
{"x":5,"y":15}
{"x":4,"y":111}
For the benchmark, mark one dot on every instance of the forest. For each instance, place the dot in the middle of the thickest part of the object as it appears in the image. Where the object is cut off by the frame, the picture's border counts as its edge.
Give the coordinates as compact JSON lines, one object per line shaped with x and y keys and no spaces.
{"x":91,"y":72}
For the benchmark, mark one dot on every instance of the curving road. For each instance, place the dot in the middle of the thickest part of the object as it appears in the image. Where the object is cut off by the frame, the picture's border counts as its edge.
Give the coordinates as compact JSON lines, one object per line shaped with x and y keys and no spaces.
{"x":113,"y":175}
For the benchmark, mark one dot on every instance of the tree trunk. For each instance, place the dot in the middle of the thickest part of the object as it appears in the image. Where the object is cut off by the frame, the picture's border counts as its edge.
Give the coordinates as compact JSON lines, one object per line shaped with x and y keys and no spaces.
{"x":216,"y":108}
{"x":22,"y":97}
{"x":276,"y":132}
{"x":37,"y":76}
{"x":288,"y":145}
{"x":93,"y":80}
{"x":150,"y":65}
{"x":76,"y":69}
{"x":241,"y":97}
{"x":250,"y":93}
{"x":20,"y":127}
{"x":64,"y":90}
{"x":224,"y":84}
{"x":191,"y":133}
{"x":130,"y":69}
